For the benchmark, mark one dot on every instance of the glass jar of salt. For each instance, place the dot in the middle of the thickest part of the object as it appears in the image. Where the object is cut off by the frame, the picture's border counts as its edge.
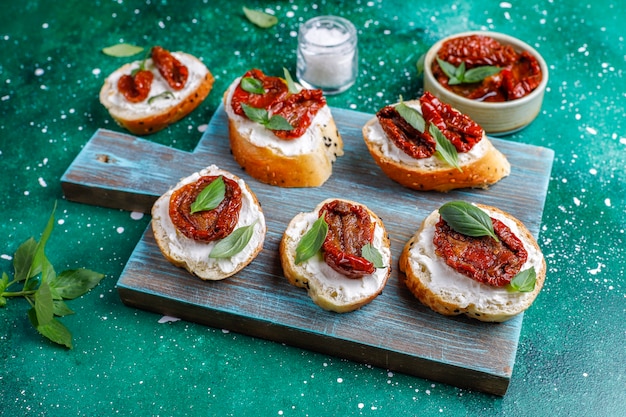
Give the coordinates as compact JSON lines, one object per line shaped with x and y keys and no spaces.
{"x":327,"y":54}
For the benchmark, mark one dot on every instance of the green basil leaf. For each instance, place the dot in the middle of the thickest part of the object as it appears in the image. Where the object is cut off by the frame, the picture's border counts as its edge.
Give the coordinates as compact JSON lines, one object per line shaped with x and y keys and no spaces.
{"x":460,"y":71}
{"x":260,"y":116}
{"x":467,"y":219}
{"x":261,"y":19}
{"x":40,"y":258}
{"x":278,"y":122}
{"x":3,"y":301}
{"x":61,"y":309}
{"x":73,"y":283}
{"x":412,"y":116}
{"x":291,"y":86}
{"x":4,"y":282}
{"x":480,"y":73}
{"x":164,"y":95}
{"x":233,"y":243}
{"x":23,"y":260}
{"x":419,"y":65}
{"x":53,"y":330}
{"x":373,"y":255}
{"x":210,"y":197}
{"x":444,"y":150}
{"x":312,"y":240}
{"x":524,"y":281}
{"x":43,"y":304}
{"x":122,"y":50}
{"x":252,"y":85}
{"x":447,"y":68}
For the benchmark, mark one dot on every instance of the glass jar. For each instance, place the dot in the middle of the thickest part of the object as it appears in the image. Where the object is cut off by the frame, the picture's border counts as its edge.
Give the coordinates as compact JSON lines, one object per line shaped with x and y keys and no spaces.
{"x":327,"y":54}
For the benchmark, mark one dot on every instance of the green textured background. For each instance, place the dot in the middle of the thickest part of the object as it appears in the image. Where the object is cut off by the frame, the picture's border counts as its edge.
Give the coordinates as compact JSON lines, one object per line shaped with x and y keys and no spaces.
{"x":570,"y":358}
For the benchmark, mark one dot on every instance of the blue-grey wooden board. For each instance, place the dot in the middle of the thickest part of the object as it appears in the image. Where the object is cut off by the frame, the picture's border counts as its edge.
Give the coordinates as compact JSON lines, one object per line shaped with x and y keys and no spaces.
{"x":393,"y":332}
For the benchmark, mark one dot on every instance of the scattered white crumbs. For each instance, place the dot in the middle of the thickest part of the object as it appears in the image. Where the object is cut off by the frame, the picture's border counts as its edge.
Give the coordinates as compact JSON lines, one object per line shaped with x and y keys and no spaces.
{"x":42,"y":182}
{"x":168,"y":319}
{"x":202,"y":128}
{"x":120,"y":230}
{"x":96,"y":71}
{"x":339,"y":380}
{"x":6,"y":257}
{"x":593,"y":171}
{"x":39,"y":72}
{"x":136,"y":215}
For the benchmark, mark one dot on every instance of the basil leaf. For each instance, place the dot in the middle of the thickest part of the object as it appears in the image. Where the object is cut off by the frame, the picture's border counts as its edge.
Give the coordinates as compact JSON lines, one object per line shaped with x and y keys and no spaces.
{"x":210,"y":197}
{"x":261,"y":19}
{"x":412,"y":116}
{"x":467,"y":219}
{"x":291,"y":86}
{"x":53,"y":330}
{"x":233,"y":243}
{"x":447,"y":68}
{"x":312,"y":240}
{"x":444,"y":150}
{"x":373,"y":255}
{"x":73,"y":283}
{"x":40,"y":258}
{"x":61,"y":309}
{"x":524,"y":281}
{"x":419,"y":65}
{"x":43,"y":304}
{"x":252,"y":85}
{"x":278,"y":122}
{"x":122,"y":50}
{"x":260,"y":116}
{"x":480,"y":73}
{"x":165,"y":94}
{"x":23,"y":260}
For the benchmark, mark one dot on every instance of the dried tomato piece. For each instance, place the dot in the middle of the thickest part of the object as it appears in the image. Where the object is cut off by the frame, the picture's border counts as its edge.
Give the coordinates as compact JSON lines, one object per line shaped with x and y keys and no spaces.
{"x":411,"y":141}
{"x":275,"y":90}
{"x":349,"y":229}
{"x":457,"y":127}
{"x":208,"y":225}
{"x":477,"y":51}
{"x":170,"y":68}
{"x":481,"y":258}
{"x":299,"y":110}
{"x":523,"y":77}
{"x":135,"y":87}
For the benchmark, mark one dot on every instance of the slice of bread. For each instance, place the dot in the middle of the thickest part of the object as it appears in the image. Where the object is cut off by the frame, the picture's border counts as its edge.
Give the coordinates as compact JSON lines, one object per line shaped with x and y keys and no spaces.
{"x":305,"y":161}
{"x":449,"y":292}
{"x":193,"y":255}
{"x":164,"y":105}
{"x":327,"y":288}
{"x":482,"y":166}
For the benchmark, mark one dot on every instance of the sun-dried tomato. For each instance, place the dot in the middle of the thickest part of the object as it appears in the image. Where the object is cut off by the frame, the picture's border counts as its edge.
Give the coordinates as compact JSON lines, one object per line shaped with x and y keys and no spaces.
{"x":208,"y":225}
{"x":275,"y":90}
{"x":481,"y":258}
{"x":170,"y":68}
{"x":299,"y":110}
{"x":457,"y":127}
{"x":411,"y":141}
{"x":349,"y":229}
{"x":520,"y":72}
{"x":135,"y":87}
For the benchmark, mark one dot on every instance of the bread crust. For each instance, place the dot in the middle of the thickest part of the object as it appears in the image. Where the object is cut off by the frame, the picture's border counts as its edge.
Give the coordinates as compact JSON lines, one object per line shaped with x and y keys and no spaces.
{"x":169,"y":239}
{"x":481,"y":172}
{"x":332,"y":291}
{"x":445,"y":294}
{"x":151,"y":121}
{"x":270,"y":166}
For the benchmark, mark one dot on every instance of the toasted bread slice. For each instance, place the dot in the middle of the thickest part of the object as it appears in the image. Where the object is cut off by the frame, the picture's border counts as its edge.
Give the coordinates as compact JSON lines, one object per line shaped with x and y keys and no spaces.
{"x":193,"y":255}
{"x":327,"y":288}
{"x":302,"y":162}
{"x":449,"y":292}
{"x":481,"y":167}
{"x":164,"y":105}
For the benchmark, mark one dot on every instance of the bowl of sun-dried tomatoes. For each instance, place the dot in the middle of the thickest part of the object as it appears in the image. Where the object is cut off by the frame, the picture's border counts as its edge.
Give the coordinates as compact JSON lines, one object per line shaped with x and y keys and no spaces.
{"x":496,"y":79}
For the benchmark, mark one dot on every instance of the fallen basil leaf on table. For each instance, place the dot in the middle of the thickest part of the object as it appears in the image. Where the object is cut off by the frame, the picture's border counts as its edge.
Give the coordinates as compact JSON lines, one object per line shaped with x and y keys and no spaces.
{"x":261,"y":19}
{"x":122,"y":50}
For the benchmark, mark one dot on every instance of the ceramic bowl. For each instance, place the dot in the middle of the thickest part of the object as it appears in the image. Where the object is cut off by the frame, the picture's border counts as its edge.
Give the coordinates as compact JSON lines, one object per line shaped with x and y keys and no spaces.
{"x":496,"y":118}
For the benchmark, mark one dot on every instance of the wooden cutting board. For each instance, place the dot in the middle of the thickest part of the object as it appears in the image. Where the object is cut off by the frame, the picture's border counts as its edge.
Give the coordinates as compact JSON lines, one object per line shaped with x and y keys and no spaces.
{"x":393,"y":332}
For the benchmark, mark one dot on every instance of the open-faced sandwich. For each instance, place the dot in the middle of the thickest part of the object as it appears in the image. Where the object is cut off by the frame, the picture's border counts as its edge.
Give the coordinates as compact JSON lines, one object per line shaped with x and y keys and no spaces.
{"x":210,"y":223}
{"x":475,"y":260}
{"x":339,"y":252}
{"x":279,"y":133}
{"x":427,"y":145}
{"x":148,"y":95}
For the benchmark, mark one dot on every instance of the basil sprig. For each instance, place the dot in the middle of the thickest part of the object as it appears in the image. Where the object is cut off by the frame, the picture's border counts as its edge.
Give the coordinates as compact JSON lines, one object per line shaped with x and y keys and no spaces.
{"x":259,"y":18}
{"x":210,"y":197}
{"x":524,"y":281}
{"x":233,"y":243}
{"x":373,"y":255}
{"x":252,"y":85}
{"x":35,"y":279}
{"x":261,"y":116}
{"x":291,"y":86}
{"x":467,"y":219}
{"x":444,"y":149}
{"x":458,"y":75}
{"x":312,"y":240}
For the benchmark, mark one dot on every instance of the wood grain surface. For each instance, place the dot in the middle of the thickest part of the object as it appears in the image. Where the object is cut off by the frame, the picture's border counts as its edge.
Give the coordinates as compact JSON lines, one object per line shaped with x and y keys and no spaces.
{"x":393,"y":332}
